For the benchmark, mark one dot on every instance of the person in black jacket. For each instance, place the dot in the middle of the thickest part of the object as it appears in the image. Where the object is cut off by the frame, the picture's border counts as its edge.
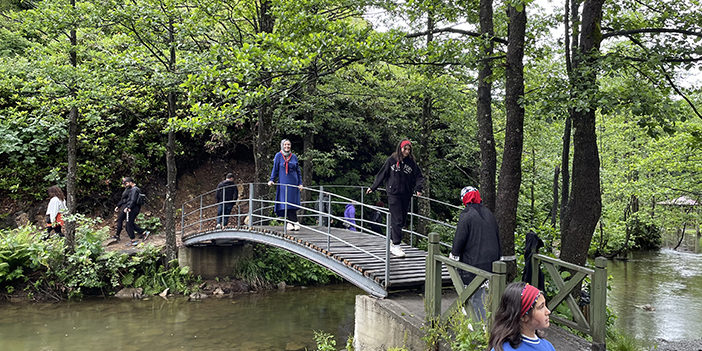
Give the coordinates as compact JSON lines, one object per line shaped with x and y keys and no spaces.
{"x":128,"y":208}
{"x":403,"y":178}
{"x":227,"y":193}
{"x":476,"y":243}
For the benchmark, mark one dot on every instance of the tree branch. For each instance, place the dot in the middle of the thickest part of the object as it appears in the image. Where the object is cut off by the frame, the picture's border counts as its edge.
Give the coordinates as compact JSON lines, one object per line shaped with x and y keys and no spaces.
{"x":629,"y":32}
{"x":454,"y":30}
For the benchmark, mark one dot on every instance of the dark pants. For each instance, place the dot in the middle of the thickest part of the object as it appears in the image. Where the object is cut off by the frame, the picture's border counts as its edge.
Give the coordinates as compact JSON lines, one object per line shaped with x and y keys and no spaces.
{"x":131,"y":226}
{"x":50,"y":228}
{"x":292,"y":214}
{"x":223,"y":211}
{"x":399,"y":206}
{"x":121,"y":216}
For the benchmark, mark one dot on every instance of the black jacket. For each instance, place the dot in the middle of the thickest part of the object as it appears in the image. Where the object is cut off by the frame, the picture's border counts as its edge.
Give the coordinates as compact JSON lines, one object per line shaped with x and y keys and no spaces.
{"x":226,"y":191}
{"x":532,"y":241}
{"x":477,"y":239}
{"x":130,"y":197}
{"x":401,"y":181}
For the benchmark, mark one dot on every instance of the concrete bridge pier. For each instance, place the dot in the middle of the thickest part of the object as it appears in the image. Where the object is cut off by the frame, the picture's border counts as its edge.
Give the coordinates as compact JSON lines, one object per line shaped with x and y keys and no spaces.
{"x":214,"y":261}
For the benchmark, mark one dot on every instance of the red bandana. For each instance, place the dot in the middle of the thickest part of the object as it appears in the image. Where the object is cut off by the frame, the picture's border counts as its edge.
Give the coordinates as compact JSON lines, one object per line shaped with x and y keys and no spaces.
{"x":287,"y":160}
{"x":471,"y":197}
{"x":529,"y":296}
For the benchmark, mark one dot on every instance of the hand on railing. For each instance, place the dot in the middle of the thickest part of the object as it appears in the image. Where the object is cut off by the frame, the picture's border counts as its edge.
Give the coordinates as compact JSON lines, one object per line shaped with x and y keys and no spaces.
{"x":369,"y":191}
{"x":270,"y":182}
{"x":300,"y":186}
{"x":455,"y":258}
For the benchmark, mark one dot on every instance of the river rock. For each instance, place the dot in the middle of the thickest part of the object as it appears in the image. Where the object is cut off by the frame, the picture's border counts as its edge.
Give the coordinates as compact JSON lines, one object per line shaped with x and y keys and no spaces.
{"x":130,"y":293}
{"x":282,"y":286}
{"x":294,"y":346}
{"x":197,"y":296}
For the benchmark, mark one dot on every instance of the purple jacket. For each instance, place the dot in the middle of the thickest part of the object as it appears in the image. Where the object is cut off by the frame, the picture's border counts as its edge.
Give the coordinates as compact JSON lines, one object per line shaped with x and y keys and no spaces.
{"x":350,"y":215}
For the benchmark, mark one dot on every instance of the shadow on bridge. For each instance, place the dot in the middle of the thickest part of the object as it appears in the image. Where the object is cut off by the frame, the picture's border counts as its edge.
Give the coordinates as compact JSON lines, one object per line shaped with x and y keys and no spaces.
{"x":362,"y":257}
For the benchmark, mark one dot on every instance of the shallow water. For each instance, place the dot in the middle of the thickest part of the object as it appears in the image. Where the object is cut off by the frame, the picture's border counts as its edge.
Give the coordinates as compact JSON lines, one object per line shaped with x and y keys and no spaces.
{"x":667,"y":280}
{"x":265,"y":321}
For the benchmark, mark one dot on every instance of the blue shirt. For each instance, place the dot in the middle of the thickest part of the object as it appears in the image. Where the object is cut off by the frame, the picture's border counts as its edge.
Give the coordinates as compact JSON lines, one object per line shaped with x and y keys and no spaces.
{"x":529,"y":344}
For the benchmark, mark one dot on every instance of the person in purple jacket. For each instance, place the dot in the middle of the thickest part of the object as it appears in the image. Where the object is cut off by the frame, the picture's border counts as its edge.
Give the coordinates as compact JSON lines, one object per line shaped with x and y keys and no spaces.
{"x":350,"y":216}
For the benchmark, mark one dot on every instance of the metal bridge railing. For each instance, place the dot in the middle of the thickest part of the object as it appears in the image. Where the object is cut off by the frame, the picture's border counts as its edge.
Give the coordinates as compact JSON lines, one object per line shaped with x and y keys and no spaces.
{"x":318,"y":214}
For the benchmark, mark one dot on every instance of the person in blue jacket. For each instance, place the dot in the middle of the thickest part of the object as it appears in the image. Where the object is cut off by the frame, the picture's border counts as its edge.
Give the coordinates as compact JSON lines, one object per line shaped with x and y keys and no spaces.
{"x":287,"y":170}
{"x":519,"y":319}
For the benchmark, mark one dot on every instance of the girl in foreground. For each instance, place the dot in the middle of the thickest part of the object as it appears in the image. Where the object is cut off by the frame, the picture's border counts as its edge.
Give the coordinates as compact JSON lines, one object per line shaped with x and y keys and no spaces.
{"x":521,"y":314}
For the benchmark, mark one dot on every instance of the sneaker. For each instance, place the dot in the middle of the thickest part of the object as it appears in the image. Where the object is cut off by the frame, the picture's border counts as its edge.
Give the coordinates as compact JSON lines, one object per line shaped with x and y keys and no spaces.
{"x":218,"y":226}
{"x":132,"y":243}
{"x":146,"y":234}
{"x":296,"y":225}
{"x":115,"y":237}
{"x":396,"y":250}
{"x":290,"y":226}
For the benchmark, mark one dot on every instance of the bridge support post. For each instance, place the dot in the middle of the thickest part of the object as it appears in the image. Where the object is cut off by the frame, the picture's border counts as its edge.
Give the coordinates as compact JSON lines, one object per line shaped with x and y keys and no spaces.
{"x":497,"y":288}
{"x":599,"y":305}
{"x":251,"y":198}
{"x":432,"y":285}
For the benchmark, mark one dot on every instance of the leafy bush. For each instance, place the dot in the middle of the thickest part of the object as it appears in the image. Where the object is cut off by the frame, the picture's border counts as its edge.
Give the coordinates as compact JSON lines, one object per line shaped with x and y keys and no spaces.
{"x":271,"y":265}
{"x":43,"y":268}
{"x":644,"y":231}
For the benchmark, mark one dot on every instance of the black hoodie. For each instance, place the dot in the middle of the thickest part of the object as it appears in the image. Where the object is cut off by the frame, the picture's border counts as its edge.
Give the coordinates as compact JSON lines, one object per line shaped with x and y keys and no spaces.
{"x":402,"y":180}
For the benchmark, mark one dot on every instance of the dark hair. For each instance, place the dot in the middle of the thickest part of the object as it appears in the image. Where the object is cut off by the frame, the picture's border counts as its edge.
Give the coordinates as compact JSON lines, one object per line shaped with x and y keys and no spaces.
{"x":398,"y":152}
{"x":380,"y":204}
{"x":229,"y":176}
{"x":56,"y":191}
{"x":127,"y":180}
{"x":507,"y":326}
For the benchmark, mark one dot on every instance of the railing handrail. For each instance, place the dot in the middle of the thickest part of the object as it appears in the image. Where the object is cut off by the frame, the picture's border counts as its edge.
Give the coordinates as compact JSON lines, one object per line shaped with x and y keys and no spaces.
{"x":596,"y":325}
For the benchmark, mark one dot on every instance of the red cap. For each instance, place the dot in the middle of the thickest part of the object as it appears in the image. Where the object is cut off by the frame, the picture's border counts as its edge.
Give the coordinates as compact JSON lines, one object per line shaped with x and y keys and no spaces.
{"x":404,"y":143}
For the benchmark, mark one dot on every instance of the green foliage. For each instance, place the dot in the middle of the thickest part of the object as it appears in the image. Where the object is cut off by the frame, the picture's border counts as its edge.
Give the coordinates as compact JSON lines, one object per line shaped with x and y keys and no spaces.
{"x":41,"y":267}
{"x":645,"y":232}
{"x":460,"y":332}
{"x":270,"y":266}
{"x":325,"y":341}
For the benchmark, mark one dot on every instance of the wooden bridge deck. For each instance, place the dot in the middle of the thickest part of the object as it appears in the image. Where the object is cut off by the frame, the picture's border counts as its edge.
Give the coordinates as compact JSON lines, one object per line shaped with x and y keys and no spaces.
{"x":344,"y":246}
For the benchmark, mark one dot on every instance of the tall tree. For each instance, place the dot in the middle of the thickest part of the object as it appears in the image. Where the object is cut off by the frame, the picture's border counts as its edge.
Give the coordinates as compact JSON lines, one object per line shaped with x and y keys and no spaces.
{"x":511,"y":169}
{"x":486,"y":137}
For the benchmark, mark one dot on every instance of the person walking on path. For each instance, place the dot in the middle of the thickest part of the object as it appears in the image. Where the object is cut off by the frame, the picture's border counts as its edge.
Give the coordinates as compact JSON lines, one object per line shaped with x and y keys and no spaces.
{"x":128,"y":209}
{"x":476,"y":243}
{"x":287,"y":195}
{"x":227,"y":193}
{"x":54,"y":212}
{"x":522,"y":314}
{"x":350,"y":216}
{"x":403,"y":178}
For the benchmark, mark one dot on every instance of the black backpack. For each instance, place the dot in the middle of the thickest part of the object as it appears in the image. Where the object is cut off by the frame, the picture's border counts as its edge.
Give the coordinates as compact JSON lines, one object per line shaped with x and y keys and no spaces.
{"x":141,"y":200}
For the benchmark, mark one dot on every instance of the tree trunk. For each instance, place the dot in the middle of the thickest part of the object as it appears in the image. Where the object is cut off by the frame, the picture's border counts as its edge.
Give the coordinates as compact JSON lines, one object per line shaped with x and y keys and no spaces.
{"x":565,"y":166}
{"x":171,"y":171}
{"x":262,"y":149}
{"x":554,"y":207}
{"x":511,"y":169}
{"x":488,"y":155}
{"x":72,"y":171}
{"x":308,"y":137}
{"x":585,"y":204}
{"x":425,"y":139}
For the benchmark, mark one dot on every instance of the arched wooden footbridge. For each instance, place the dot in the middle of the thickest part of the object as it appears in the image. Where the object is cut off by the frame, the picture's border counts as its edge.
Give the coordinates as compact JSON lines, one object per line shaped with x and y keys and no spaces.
{"x":362,"y":257}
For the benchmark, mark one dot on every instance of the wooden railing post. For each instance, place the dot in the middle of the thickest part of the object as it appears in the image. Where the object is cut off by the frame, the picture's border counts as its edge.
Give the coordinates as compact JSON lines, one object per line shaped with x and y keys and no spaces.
{"x":497,"y":287}
{"x":432,"y":284}
{"x":535,"y":268}
{"x":599,"y":305}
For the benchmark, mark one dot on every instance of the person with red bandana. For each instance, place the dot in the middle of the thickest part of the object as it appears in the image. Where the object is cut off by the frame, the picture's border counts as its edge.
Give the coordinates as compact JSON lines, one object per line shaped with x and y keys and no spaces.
{"x":404,"y":178}
{"x":287,"y":195}
{"x":476,"y":243}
